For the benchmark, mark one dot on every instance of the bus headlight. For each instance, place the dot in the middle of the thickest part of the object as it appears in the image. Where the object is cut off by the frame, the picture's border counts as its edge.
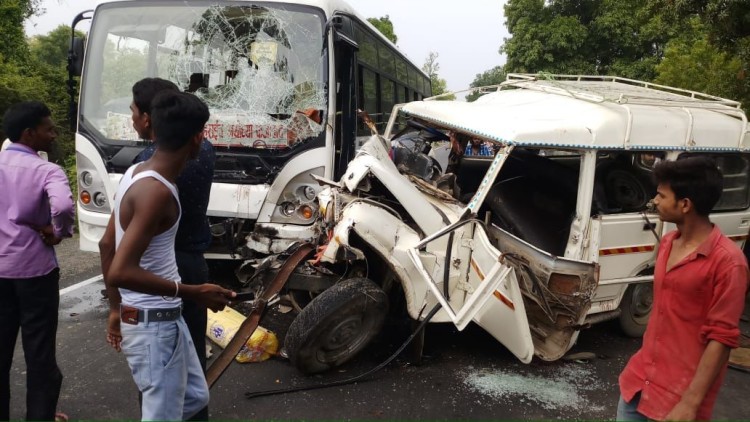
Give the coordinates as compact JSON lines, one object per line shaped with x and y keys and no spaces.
{"x":86,"y":179}
{"x":297,"y":203}
{"x":308,"y":192}
{"x":305,"y":212}
{"x":100,"y":199}
{"x":287,"y":209}
{"x":92,"y":195}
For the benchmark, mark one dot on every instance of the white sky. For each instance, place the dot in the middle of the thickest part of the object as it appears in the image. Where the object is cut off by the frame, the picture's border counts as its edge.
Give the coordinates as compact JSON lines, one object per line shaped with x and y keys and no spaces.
{"x":467,"y":38}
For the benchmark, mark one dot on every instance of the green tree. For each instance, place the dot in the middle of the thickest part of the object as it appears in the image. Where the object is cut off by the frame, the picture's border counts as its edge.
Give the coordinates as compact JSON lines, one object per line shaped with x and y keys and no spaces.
{"x":385,"y":26}
{"x":725,"y":29}
{"x":727,"y":21}
{"x":17,"y":79}
{"x":16,"y":87}
{"x":693,"y":62}
{"x":35,"y":70}
{"x":52,"y":48}
{"x":13,"y":13}
{"x":49,"y":55}
{"x":432,"y":67}
{"x":494,"y":76}
{"x":584,"y":36}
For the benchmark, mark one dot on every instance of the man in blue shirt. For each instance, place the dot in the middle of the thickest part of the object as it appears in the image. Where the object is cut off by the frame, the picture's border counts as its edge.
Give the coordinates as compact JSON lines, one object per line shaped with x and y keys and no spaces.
{"x":477,"y":147}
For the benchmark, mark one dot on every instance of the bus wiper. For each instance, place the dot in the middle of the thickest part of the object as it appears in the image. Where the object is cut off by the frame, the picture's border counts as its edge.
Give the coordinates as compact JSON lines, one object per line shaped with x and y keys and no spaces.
{"x":237,"y":175}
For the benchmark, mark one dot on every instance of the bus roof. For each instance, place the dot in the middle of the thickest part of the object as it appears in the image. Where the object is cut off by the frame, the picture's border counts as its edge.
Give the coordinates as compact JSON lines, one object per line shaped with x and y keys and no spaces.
{"x":593,"y":112}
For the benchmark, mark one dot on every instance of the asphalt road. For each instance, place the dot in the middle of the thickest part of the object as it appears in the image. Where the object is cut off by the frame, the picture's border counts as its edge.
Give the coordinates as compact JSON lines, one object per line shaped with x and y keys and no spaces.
{"x":465,"y":375}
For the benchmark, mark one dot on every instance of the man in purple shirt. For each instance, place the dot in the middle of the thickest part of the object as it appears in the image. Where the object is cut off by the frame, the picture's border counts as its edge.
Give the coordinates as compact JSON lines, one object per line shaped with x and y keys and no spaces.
{"x":36,"y":212}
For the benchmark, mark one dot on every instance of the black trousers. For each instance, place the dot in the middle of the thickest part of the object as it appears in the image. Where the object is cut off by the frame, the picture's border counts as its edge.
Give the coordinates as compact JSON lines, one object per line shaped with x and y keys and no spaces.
{"x":31,"y":305}
{"x":194,"y":270}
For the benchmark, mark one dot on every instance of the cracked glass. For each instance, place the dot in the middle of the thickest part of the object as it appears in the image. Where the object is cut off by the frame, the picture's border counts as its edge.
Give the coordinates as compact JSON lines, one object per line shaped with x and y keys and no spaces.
{"x":259,"y":67}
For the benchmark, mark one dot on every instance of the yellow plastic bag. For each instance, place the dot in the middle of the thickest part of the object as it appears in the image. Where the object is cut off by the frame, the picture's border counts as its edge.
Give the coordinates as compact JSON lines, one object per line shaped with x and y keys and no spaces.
{"x":223,"y":325}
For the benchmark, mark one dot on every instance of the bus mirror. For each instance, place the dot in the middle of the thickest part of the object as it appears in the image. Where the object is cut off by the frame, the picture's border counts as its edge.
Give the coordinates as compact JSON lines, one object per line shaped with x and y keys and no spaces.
{"x":337,"y":22}
{"x":335,"y":26}
{"x":75,"y":56}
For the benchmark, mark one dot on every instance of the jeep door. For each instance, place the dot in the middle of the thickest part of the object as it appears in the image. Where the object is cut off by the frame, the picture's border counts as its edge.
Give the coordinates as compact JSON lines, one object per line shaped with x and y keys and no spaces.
{"x":483,"y":288}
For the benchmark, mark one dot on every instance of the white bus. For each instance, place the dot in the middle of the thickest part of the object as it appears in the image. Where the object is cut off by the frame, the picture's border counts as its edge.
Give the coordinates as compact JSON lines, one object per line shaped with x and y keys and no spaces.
{"x":283,"y":81}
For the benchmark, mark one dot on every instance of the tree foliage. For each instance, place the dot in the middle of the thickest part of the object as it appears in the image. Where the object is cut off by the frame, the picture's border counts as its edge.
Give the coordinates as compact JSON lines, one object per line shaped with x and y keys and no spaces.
{"x":432,"y":67}
{"x":52,"y":48}
{"x":494,"y":76}
{"x":584,"y":37}
{"x":692,"y":61}
{"x":385,"y":26}
{"x":703,"y":45}
{"x":718,"y":37}
{"x":13,"y":48}
{"x":40,"y":75}
{"x":49,"y":53}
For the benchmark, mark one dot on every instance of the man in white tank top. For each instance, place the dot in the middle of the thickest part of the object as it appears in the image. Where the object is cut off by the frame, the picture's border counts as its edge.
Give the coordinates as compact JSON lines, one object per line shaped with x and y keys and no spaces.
{"x":142,"y":280}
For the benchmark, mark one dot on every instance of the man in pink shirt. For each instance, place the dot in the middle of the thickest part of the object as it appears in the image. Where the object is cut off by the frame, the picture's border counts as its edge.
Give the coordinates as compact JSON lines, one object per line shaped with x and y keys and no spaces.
{"x":36,"y":212}
{"x":700,"y":282}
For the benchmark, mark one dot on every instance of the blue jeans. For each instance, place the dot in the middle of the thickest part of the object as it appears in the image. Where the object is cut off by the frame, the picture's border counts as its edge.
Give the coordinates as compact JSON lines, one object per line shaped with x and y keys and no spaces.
{"x":629,"y":411}
{"x":166,"y":369}
{"x":194,"y":270}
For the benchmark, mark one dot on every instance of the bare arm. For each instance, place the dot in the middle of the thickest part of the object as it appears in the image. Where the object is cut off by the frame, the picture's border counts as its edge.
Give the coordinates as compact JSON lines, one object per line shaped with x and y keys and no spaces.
{"x":146,"y":201}
{"x":106,"y":253}
{"x":107,"y":247}
{"x":714,"y":359}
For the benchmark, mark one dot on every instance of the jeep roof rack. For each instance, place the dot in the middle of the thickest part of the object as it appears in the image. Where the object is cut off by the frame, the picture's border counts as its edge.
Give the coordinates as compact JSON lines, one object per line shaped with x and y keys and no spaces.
{"x":581,"y":111}
{"x":617,"y":89}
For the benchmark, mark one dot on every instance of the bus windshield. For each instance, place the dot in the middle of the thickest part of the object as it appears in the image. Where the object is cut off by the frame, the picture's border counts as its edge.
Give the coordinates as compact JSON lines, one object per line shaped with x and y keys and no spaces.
{"x":260,"y":67}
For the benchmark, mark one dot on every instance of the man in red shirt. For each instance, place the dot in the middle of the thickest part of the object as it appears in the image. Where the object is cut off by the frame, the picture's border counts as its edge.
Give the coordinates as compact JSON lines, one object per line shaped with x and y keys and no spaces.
{"x":700,"y":281}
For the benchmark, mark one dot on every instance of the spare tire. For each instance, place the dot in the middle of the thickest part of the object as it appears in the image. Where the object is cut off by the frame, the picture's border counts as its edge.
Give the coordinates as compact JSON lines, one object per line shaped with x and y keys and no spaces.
{"x":626,"y":189}
{"x":336,"y":325}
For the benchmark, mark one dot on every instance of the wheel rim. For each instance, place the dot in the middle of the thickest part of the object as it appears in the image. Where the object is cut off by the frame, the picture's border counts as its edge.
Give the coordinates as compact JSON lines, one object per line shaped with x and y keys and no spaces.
{"x":345,"y":338}
{"x":336,"y":325}
{"x":642,"y":301}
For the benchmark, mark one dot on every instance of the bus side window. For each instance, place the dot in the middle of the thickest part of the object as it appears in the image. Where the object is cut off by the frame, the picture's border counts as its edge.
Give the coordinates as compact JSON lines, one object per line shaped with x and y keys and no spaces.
{"x":369,"y":94}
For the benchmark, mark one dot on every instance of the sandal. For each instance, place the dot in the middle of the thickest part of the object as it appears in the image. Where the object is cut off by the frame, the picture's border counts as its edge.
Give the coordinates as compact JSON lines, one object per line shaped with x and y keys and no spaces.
{"x":61,"y":417}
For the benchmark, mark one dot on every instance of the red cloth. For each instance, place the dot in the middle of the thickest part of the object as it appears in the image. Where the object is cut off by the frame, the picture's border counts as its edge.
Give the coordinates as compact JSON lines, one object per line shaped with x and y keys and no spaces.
{"x":698,"y":300}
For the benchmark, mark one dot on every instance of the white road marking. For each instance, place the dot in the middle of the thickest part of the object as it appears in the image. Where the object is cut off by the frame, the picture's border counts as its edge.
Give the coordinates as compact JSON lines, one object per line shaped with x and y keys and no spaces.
{"x":81,"y":284}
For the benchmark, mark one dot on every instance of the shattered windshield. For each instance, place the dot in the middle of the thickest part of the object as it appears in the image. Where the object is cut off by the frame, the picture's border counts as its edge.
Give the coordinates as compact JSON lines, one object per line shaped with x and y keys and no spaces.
{"x":259,"y":67}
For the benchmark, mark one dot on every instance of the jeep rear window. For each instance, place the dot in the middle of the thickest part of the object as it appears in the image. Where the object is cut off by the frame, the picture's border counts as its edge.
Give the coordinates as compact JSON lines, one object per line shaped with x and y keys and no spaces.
{"x":736,"y":190}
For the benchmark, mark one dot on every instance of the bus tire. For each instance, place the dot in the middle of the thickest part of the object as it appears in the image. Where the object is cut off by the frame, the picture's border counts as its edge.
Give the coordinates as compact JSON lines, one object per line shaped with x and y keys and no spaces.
{"x":636,"y":308}
{"x":336,"y":325}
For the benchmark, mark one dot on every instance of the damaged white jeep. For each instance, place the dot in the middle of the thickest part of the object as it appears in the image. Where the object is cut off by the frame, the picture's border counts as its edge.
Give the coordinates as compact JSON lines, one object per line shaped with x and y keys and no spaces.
{"x":544,"y":237}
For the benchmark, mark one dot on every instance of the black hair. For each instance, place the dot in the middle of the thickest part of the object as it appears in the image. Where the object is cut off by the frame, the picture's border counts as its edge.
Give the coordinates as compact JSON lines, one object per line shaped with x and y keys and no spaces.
{"x":462,"y":138}
{"x":177,"y":117}
{"x":22,"y":116}
{"x":146,"y":89}
{"x":694,"y":178}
